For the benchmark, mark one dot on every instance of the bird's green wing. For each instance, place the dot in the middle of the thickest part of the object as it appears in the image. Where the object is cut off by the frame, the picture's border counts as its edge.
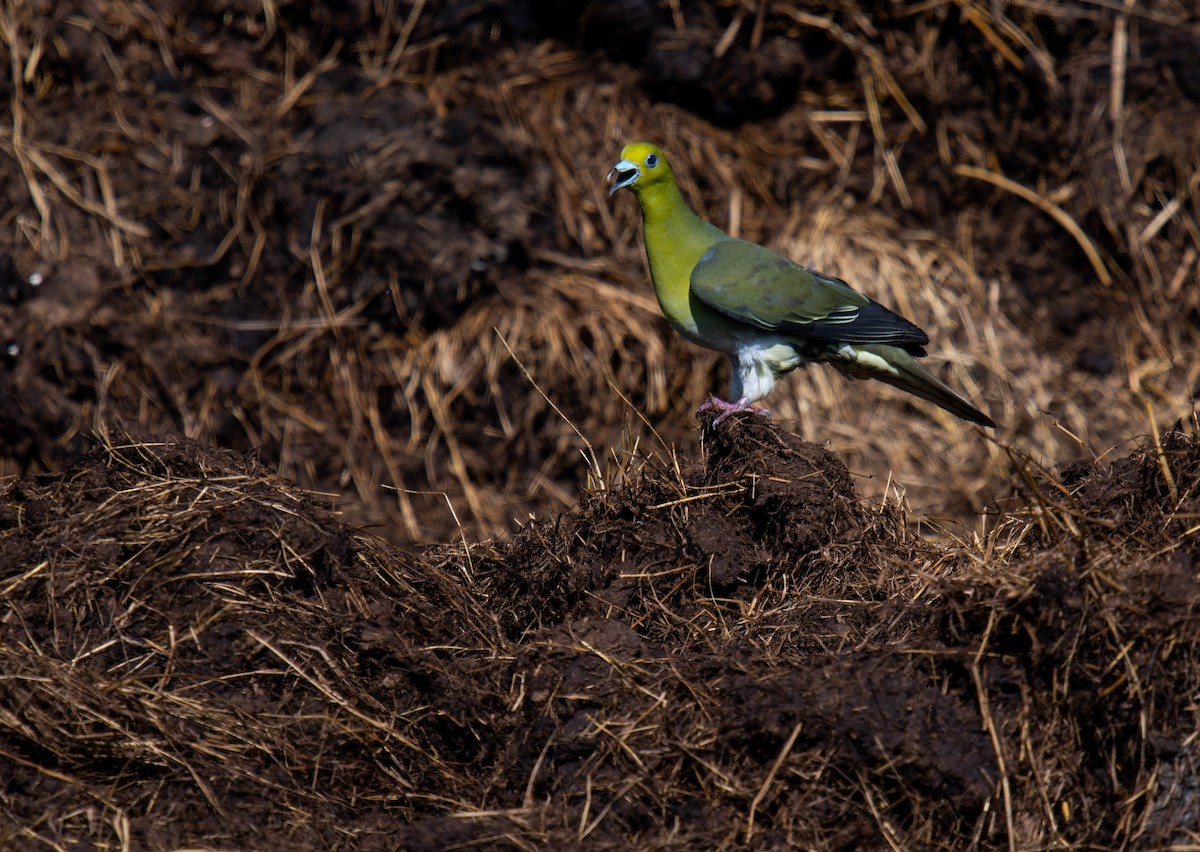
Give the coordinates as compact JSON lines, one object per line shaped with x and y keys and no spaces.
{"x":755,"y":285}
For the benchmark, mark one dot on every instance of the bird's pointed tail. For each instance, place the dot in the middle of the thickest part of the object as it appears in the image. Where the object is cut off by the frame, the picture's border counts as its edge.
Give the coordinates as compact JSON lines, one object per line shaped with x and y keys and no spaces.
{"x":907,"y":374}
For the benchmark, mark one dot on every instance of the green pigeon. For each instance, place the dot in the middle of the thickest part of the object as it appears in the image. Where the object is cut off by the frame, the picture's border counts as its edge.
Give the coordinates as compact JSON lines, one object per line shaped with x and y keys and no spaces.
{"x":766,"y":313}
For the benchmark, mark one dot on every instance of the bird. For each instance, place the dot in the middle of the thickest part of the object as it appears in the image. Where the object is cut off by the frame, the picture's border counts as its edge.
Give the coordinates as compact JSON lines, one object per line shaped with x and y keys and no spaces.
{"x":766,"y":313}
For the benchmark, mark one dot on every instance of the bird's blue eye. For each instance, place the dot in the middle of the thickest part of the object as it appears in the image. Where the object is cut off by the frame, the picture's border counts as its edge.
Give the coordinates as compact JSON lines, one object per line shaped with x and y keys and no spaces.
{"x":652,"y":160}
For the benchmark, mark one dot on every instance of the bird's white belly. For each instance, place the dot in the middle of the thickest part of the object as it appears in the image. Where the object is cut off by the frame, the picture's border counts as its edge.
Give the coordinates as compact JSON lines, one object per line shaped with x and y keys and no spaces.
{"x":757,"y":362}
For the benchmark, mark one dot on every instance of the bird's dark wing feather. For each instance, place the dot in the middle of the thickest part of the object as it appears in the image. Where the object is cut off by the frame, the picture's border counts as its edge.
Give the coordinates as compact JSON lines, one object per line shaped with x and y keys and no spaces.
{"x":754,"y":285}
{"x":872,"y":323}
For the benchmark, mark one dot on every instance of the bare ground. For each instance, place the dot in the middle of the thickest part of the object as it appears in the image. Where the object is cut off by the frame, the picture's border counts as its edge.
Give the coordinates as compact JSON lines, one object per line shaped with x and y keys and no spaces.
{"x":738,"y":653}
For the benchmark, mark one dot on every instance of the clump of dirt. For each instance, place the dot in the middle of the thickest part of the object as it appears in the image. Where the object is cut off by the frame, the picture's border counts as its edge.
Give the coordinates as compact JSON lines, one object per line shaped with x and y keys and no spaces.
{"x":763,"y":502}
{"x":182,"y":628}
{"x":463,"y":201}
{"x":737,"y":652}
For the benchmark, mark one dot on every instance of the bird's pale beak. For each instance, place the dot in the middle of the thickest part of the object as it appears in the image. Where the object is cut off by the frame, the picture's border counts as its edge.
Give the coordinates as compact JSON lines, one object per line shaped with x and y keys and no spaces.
{"x":623,"y":174}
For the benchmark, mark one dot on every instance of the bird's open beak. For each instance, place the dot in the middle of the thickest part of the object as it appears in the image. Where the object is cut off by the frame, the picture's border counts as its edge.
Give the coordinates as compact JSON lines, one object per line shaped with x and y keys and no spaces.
{"x":623,"y":174}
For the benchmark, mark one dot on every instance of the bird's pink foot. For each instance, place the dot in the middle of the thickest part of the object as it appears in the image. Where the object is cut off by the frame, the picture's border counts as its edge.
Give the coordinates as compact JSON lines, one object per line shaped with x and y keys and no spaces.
{"x":727,"y":408}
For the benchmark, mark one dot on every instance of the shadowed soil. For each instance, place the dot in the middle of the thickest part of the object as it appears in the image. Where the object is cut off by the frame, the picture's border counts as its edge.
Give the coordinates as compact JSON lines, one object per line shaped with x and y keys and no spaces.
{"x":735,"y":653}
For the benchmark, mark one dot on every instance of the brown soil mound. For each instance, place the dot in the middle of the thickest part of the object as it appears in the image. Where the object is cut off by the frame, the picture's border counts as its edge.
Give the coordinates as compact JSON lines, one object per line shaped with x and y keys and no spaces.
{"x":737,"y":653}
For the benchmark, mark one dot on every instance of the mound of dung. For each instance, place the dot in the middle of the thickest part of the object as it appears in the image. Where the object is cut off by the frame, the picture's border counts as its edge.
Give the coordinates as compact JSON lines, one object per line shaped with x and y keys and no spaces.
{"x":732,"y":652}
{"x":202,"y":653}
{"x":761,"y":503}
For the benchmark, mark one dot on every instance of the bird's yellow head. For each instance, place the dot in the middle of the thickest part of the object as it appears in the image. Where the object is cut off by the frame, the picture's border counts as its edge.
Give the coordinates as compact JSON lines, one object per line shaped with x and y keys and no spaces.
{"x":642,"y":165}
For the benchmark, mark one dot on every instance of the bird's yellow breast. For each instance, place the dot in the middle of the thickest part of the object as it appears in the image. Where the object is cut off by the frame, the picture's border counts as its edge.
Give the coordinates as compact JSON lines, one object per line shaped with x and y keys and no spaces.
{"x":676,"y":239}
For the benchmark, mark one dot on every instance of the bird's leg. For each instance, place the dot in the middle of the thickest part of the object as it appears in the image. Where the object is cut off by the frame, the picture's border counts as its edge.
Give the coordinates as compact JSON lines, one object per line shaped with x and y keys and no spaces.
{"x":727,"y":408}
